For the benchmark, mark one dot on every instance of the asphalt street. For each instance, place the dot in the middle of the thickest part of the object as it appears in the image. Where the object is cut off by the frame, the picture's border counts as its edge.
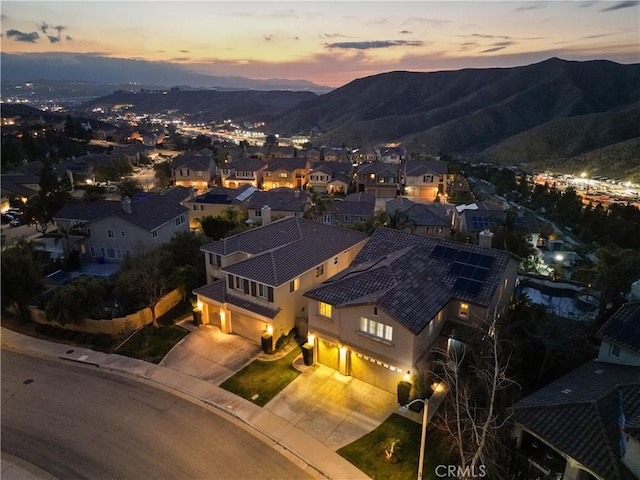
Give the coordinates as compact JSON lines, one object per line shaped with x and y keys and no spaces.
{"x":77,"y":422}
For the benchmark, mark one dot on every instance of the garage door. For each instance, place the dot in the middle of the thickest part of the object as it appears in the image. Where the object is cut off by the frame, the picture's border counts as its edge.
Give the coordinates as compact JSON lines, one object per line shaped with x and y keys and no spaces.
{"x":328,"y":354}
{"x":369,"y":370}
{"x":247,"y":327}
{"x":214,"y":316}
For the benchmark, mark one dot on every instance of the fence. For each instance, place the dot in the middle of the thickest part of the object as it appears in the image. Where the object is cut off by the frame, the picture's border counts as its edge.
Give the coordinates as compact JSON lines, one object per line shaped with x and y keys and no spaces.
{"x":114,"y":326}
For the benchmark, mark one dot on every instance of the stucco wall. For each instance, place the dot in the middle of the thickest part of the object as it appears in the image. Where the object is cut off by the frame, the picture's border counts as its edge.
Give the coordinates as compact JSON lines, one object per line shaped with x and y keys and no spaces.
{"x":115,"y":326}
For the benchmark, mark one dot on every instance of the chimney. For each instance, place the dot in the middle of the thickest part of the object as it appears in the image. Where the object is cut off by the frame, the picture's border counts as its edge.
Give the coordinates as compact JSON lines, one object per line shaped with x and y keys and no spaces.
{"x":296,"y":194}
{"x":485,"y":237}
{"x":126,"y":204}
{"x":266,"y":215}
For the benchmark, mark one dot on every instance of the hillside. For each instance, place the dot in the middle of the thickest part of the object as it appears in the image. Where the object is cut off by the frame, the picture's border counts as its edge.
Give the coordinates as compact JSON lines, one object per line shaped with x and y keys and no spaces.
{"x":469,"y":111}
{"x":206,"y":105}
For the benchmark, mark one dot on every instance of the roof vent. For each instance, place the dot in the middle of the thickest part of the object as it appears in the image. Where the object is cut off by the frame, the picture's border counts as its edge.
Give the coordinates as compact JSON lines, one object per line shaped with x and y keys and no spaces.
{"x":566,"y":391}
{"x":599,"y":371}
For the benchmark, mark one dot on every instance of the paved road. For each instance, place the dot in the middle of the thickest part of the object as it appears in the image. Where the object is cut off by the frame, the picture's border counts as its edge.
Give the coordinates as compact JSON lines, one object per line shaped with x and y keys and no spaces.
{"x":76,"y":422}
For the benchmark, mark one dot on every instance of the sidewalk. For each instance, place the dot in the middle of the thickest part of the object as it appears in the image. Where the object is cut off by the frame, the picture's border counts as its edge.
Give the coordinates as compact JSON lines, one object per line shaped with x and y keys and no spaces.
{"x":310,"y":454}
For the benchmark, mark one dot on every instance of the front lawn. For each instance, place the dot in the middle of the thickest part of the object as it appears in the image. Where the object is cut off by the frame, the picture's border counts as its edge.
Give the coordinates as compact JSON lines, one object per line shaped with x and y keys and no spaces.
{"x":263,"y":378}
{"x":152,"y":344}
{"x":368,"y":453}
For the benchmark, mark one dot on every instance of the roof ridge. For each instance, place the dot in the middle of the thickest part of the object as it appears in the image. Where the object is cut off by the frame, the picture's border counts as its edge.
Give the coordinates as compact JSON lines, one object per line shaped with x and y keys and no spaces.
{"x":273,"y":264}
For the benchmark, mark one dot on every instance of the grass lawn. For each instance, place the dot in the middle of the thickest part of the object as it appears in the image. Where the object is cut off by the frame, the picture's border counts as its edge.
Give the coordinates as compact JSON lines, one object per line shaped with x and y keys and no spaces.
{"x":152,"y":344}
{"x":265,"y":378}
{"x":367,"y":453}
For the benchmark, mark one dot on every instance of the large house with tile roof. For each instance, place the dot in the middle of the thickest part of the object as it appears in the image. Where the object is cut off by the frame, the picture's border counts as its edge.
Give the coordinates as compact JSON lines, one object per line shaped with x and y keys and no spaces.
{"x":244,"y":171}
{"x":381,"y":317}
{"x":256,"y":278}
{"x":214,"y":201}
{"x":379,"y":179}
{"x":428,"y":219}
{"x":425,"y":179}
{"x":264,"y":206}
{"x":287,"y":173}
{"x":193,"y":171}
{"x":586,"y":425}
{"x":330,"y":177}
{"x":114,"y":229}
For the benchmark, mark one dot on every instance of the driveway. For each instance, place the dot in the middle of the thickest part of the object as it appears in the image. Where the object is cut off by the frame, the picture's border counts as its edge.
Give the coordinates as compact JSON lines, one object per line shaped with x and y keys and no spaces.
{"x":334,"y":409}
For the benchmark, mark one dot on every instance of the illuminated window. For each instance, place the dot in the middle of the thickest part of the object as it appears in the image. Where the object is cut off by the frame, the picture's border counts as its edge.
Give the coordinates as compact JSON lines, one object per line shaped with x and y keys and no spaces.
{"x":324,"y":309}
{"x":376,"y":329}
{"x":320,"y":270}
{"x":464,"y":310}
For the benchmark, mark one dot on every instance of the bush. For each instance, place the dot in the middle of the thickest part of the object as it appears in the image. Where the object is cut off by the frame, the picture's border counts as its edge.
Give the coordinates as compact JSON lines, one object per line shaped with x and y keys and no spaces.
{"x":102,"y":340}
{"x":285,"y":339}
{"x":44,"y":329}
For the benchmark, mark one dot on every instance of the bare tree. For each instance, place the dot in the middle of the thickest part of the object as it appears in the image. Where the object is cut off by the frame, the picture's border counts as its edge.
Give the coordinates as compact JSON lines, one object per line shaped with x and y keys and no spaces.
{"x":474,"y":415}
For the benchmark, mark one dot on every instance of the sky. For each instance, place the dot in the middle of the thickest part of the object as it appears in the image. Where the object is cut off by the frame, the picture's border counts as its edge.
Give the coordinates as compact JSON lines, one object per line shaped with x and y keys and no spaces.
{"x":326,"y":42}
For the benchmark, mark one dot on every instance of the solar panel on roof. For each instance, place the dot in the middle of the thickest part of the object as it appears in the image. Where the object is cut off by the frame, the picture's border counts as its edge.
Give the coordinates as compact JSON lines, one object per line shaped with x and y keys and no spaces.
{"x":473,"y":288}
{"x":455,"y":268}
{"x":467,"y":271}
{"x":486,"y":261}
{"x":449,"y":253}
{"x":474,"y":259}
{"x":480,"y":274}
{"x":462,"y":256}
{"x":437,"y":251}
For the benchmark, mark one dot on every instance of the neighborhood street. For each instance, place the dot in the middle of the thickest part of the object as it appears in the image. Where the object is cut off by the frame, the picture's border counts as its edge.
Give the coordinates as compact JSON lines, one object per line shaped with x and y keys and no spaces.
{"x":77,"y":422}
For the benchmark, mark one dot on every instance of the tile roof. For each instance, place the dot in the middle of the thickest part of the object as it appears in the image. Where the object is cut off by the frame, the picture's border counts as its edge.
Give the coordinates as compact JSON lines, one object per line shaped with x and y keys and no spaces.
{"x":194,"y":162}
{"x":287,"y":164}
{"x":216,"y":291}
{"x":395,"y":269}
{"x":360,"y":197}
{"x":378,"y":168}
{"x":580,"y":414}
{"x":623,"y":328}
{"x":224,"y":196}
{"x":282,"y":199}
{"x":331,"y":167}
{"x":433,"y":214}
{"x":421,"y":167}
{"x":284,"y":249}
{"x":353,"y":208}
{"x":246,"y":165}
{"x":150,"y":212}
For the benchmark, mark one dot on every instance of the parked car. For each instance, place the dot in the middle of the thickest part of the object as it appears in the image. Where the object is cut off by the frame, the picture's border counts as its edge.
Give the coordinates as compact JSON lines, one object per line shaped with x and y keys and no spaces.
{"x":7,"y":219}
{"x":16,"y":222}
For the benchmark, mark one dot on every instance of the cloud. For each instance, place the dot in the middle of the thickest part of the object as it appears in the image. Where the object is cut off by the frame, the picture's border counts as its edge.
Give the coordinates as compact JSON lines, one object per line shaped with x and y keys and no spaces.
{"x":53,"y":39}
{"x":335,"y":35}
{"x":19,"y":36}
{"x":68,"y":38}
{"x":618,"y":6}
{"x":184,"y":51}
{"x":43,"y":27}
{"x":60,"y":28}
{"x":585,"y":4}
{"x":268,"y":38}
{"x":480,"y":35}
{"x":375,"y":44}
{"x":494,"y":49}
{"x":405,"y":32}
{"x":525,"y":8}
{"x":432,"y":22}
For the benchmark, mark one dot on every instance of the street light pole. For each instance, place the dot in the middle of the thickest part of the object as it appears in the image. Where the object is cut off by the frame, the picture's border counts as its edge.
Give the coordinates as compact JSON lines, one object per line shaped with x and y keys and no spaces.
{"x":425,"y":419}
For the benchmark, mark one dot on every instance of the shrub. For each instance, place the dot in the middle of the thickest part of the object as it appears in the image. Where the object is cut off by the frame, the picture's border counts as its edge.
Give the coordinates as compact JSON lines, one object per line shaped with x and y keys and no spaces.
{"x":285,"y":339}
{"x":44,"y":329}
{"x":102,"y":340}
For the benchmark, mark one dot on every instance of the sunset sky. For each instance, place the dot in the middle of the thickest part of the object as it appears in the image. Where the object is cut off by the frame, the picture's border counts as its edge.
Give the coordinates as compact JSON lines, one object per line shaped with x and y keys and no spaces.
{"x":329,"y":43}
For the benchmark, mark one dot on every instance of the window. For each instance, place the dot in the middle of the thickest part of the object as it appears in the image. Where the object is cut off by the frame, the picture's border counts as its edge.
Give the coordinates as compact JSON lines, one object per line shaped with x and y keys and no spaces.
{"x":180,"y":220}
{"x":427,"y":178}
{"x":294,"y":285}
{"x":111,"y":233}
{"x":154,"y":234}
{"x":211,"y":257}
{"x":102,"y":252}
{"x":258,"y":213}
{"x":376,"y":329}
{"x":123,"y":233}
{"x":92,"y":251}
{"x":127,"y":252}
{"x":195,"y":207}
{"x":335,"y":260}
{"x":319,"y":270}
{"x":118,"y":253}
{"x":327,"y":218}
{"x":263,"y":291}
{"x":238,"y":283}
{"x":324,"y":309}
{"x":87,"y":231}
{"x":464,"y":310}
{"x":283,"y":175}
{"x":111,"y":252}
{"x":218,"y":261}
{"x":296,"y":214}
{"x":614,"y":350}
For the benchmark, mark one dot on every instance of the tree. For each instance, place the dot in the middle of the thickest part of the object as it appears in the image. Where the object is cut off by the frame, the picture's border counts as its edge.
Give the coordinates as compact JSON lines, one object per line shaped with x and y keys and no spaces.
{"x":50,"y":198}
{"x":129,"y":187}
{"x":509,"y":236}
{"x":320,"y":204}
{"x":229,"y":222}
{"x":80,"y":299}
{"x":162,"y":173}
{"x":21,"y":277}
{"x":142,"y":280}
{"x":473,"y":413}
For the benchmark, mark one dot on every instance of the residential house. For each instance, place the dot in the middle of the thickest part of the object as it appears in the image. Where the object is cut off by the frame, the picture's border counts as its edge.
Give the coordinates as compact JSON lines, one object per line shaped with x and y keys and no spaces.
{"x":364,"y":155}
{"x":333,"y":177}
{"x":257,"y":278}
{"x":193,"y":171}
{"x":379,"y":319}
{"x":312,"y":155}
{"x":265,"y":206}
{"x":391,"y":154}
{"x":347,"y":213}
{"x":114,"y":229}
{"x":426,"y":179}
{"x":281,"y":152}
{"x":286,"y":172}
{"x":84,"y":167}
{"x":244,"y":171}
{"x":214,"y":201}
{"x":429,"y":219}
{"x":480,"y":216}
{"x":18,"y":185}
{"x":379,"y":179}
{"x":586,"y":425}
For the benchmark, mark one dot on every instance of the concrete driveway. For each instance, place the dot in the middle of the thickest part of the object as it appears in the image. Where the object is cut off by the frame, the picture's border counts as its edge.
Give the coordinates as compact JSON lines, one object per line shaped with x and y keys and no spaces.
{"x":334,"y":409}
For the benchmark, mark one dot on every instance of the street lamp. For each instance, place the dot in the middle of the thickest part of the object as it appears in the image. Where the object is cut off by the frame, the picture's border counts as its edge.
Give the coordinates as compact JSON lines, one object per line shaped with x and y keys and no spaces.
{"x":425,"y":418}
